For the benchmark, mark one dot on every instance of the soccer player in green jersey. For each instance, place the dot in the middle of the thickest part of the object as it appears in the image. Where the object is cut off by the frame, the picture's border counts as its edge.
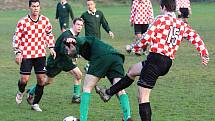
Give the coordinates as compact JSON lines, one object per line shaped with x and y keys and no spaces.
{"x":63,"y":62}
{"x":93,"y":19}
{"x":104,"y":60}
{"x":62,"y":14}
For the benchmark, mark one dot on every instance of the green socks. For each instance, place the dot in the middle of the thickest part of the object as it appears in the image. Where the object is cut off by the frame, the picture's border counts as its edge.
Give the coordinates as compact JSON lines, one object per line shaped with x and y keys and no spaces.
{"x":84,"y":106}
{"x":32,"y":90}
{"x":76,"y":90}
{"x":124,"y":102}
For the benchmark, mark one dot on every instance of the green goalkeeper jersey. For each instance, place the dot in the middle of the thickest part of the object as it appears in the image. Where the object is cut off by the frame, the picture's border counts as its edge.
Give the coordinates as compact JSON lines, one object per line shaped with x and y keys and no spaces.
{"x":61,"y":52}
{"x":91,"y":48}
{"x":93,"y":22}
{"x":62,"y":13}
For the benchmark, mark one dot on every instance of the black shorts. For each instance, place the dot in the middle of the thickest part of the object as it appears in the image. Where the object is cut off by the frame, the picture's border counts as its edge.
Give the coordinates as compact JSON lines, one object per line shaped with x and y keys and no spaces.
{"x":156,"y":65}
{"x":184,"y":13}
{"x":140,"y":28}
{"x":38,"y":64}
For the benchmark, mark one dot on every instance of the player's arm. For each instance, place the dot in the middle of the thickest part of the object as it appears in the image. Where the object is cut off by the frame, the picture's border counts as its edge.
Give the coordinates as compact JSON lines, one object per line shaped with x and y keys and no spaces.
{"x":133,"y":9}
{"x":50,"y":38}
{"x":150,"y":12}
{"x":197,"y":41}
{"x":57,"y":13}
{"x":105,"y":25}
{"x":17,"y":37}
{"x":148,"y":36}
{"x":178,"y":6}
{"x":71,"y":12}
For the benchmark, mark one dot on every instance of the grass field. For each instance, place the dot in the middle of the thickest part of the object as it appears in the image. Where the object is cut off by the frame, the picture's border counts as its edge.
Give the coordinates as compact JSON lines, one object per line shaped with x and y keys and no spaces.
{"x":186,"y":93}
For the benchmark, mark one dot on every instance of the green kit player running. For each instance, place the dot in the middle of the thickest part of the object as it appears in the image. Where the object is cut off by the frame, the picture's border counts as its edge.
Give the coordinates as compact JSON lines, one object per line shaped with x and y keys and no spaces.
{"x":62,"y":14}
{"x":63,"y":62}
{"x":104,"y":60}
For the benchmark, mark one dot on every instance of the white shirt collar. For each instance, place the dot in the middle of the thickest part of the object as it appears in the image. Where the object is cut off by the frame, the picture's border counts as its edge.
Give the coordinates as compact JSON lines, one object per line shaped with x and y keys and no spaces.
{"x":92,"y":12}
{"x":63,"y":2}
{"x":72,"y":32}
{"x":172,"y":14}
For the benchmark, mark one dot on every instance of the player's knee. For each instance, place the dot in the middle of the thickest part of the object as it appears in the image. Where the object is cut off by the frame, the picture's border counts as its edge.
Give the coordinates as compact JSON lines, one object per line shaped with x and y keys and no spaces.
{"x":24,"y":79}
{"x":121,"y":92}
{"x":41,"y":80}
{"x":131,"y":73}
{"x":79,"y":75}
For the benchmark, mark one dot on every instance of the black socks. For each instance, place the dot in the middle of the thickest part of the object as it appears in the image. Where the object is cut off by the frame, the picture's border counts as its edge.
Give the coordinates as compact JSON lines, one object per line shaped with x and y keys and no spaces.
{"x":21,"y":86}
{"x":145,"y":111}
{"x":120,"y":85}
{"x":38,"y":94}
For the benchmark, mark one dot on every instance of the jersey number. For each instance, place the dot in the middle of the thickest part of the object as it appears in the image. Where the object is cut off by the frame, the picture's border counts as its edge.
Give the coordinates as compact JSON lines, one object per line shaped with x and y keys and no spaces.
{"x":173,"y":36}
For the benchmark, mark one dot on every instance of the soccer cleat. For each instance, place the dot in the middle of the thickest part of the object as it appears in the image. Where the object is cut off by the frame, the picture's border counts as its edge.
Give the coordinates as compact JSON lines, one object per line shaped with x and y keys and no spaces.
{"x":30,"y":99}
{"x":102,"y":93}
{"x":36,"y":107}
{"x":76,"y":99}
{"x":19,"y":97}
{"x":129,"y":119}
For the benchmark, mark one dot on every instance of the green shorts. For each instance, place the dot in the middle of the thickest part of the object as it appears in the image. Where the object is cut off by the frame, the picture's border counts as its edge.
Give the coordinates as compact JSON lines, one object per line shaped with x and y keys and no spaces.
{"x":64,"y":24}
{"x":55,"y":66}
{"x":110,"y":65}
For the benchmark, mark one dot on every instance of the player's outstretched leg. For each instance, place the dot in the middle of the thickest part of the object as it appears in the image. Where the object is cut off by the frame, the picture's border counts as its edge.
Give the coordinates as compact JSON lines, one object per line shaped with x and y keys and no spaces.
{"x":106,"y":94}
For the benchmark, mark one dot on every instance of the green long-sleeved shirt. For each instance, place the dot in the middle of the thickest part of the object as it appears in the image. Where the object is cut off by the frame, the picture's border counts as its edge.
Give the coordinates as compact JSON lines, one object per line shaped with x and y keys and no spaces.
{"x":93,"y":23}
{"x":91,"y":48}
{"x":63,"y":12}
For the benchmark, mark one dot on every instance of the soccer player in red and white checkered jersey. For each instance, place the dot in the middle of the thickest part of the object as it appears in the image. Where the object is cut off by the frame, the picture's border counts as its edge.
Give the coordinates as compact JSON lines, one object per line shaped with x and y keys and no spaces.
{"x":164,"y":37}
{"x":141,"y":17}
{"x":184,"y":9}
{"x":33,"y":33}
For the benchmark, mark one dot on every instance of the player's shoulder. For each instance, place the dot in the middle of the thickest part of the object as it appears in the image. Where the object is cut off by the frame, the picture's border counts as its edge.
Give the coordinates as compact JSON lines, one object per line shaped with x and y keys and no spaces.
{"x":23,"y":19}
{"x":44,"y":18}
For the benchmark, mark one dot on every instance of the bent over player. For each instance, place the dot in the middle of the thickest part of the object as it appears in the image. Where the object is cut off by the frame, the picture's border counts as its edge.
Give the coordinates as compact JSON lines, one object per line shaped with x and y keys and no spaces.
{"x":164,"y":37}
{"x":104,"y":60}
{"x":63,"y":62}
{"x":33,"y":33}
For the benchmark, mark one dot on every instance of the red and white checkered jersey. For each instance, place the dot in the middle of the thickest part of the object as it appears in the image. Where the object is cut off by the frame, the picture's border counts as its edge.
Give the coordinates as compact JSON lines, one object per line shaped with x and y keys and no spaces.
{"x":165,"y":35}
{"x":141,"y":12}
{"x":182,"y":4}
{"x":32,"y":37}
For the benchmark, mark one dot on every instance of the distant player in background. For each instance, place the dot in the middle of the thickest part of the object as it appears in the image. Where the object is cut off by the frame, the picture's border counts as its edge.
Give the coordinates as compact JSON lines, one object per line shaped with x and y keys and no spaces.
{"x":93,"y":20}
{"x":33,"y":33}
{"x":141,"y":17}
{"x":183,"y":9}
{"x":63,"y":62}
{"x":62,"y":14}
{"x":164,"y":37}
{"x":104,"y":61}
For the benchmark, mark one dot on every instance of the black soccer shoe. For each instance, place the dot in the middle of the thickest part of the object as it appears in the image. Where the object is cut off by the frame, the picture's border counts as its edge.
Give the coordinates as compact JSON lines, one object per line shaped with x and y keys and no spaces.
{"x":76,"y":99}
{"x":103,"y":95}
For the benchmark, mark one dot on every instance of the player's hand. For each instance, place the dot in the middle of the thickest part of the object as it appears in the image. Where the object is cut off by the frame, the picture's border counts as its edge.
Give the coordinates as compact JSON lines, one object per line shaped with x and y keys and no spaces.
{"x":132,"y":24}
{"x":18,"y":59}
{"x":111,"y":34}
{"x":56,"y":20}
{"x":52,"y":52}
{"x":205,"y":59}
{"x":179,"y":13}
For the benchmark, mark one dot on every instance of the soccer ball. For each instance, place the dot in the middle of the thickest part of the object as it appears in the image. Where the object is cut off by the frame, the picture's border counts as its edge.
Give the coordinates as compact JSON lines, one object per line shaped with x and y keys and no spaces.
{"x":70,"y":118}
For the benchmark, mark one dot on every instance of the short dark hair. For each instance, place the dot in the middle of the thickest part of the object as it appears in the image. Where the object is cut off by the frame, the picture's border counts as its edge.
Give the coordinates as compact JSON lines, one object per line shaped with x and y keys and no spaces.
{"x":170,"y":5}
{"x":77,"y":19}
{"x":31,"y":1}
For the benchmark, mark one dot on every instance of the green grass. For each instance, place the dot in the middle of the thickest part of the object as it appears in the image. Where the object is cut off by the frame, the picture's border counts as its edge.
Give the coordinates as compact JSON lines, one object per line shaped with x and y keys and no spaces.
{"x":186,"y":93}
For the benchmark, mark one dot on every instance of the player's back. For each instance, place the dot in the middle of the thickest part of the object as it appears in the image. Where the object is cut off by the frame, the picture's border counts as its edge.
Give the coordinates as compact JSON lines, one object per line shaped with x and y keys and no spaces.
{"x":166,"y":34}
